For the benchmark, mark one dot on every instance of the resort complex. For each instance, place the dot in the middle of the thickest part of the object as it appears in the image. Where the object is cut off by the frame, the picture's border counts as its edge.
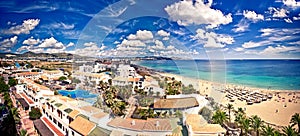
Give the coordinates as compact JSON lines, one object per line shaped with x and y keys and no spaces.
{"x":150,"y":68}
{"x":117,"y":98}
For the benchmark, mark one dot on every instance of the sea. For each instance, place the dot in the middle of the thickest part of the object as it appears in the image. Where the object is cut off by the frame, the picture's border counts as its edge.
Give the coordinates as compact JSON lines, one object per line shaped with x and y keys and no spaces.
{"x":267,"y":74}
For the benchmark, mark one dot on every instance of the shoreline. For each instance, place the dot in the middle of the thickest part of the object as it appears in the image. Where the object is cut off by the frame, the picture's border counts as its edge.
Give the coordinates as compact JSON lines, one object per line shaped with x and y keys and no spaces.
{"x":215,"y":82}
{"x":277,"y":110}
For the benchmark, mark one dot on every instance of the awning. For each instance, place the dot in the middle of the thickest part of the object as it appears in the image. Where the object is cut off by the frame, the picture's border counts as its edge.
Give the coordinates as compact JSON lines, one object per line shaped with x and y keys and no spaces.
{"x":42,"y":128}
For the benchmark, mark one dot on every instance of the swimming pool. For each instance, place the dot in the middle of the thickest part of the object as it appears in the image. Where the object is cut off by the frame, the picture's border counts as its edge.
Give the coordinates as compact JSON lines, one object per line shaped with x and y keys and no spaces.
{"x":79,"y":93}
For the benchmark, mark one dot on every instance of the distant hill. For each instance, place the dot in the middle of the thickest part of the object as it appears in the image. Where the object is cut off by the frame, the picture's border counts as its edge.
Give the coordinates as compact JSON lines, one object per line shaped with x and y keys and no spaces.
{"x":47,"y":55}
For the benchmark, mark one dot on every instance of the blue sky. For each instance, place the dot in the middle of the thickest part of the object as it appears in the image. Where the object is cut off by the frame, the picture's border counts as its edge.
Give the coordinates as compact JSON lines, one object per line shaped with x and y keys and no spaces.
{"x":172,"y":28}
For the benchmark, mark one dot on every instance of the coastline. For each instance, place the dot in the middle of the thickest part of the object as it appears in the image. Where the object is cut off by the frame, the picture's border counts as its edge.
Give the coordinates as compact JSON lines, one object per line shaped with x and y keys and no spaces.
{"x":276,"y":111}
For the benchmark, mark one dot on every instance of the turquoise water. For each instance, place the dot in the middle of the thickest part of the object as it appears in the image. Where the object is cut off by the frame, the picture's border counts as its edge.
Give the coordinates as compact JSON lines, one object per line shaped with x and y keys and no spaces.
{"x":85,"y":95}
{"x":268,"y":74}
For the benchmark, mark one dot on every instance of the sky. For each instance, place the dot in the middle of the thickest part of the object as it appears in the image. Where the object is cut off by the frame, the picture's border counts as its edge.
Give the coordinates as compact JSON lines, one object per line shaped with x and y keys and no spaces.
{"x":202,"y":29}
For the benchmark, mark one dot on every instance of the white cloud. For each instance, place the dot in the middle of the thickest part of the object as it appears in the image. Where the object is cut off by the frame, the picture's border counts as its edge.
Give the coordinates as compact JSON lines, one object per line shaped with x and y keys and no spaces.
{"x":190,"y":12}
{"x":225,"y":39}
{"x":131,"y":43}
{"x":51,"y":43}
{"x":238,"y":49}
{"x":158,"y":45}
{"x":62,"y":25}
{"x":251,"y":15}
{"x":31,"y":41}
{"x":278,"y":49}
{"x":25,"y":28}
{"x":267,"y":31}
{"x":163,"y":33}
{"x":70,"y":44}
{"x":141,"y":35}
{"x":88,"y":44}
{"x":166,"y":38}
{"x":8,"y":43}
{"x":279,"y":13}
{"x":212,"y":40}
{"x":251,"y":44}
{"x":242,"y":26}
{"x":291,"y":3}
{"x":288,"y":20}
{"x":92,"y":50}
{"x":296,"y":18}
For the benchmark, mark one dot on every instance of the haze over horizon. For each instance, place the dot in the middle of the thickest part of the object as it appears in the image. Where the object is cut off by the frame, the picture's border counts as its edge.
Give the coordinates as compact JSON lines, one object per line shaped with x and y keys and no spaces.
{"x":193,"y":29}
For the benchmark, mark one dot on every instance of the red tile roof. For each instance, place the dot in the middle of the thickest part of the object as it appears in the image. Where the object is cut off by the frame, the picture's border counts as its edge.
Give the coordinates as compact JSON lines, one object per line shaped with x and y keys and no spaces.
{"x":27,"y":99}
{"x":52,"y":127}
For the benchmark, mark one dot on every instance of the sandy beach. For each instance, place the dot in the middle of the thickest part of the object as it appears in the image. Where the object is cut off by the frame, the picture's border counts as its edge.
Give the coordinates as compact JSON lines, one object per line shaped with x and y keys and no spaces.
{"x":277,"y":110}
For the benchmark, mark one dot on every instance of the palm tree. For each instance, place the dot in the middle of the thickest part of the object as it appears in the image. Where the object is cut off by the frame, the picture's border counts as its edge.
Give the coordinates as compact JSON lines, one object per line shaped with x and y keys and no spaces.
{"x":245,"y":124}
{"x":240,"y":110}
{"x":229,"y":107}
{"x":268,"y":130}
{"x":289,"y":131}
{"x":256,"y":124}
{"x":15,"y":114}
{"x":295,"y":120}
{"x":219,"y":117}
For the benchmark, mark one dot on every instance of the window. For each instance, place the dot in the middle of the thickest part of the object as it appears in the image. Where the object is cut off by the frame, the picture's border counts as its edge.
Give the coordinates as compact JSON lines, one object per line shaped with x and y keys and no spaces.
{"x":73,"y":133}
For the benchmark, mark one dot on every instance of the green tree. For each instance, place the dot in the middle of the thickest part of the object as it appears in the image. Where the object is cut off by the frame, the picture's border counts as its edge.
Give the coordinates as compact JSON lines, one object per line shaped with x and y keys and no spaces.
{"x":229,"y":107}
{"x":256,"y":124}
{"x":289,"y":131}
{"x":268,"y":130}
{"x":29,"y":65}
{"x":15,"y":114}
{"x":219,"y":117}
{"x":245,"y":125}
{"x":56,"y":92}
{"x":35,"y":113}
{"x":3,"y":86}
{"x":23,"y":132}
{"x":295,"y":120}
{"x":62,"y":78}
{"x":206,"y":113}
{"x":12,"y":82}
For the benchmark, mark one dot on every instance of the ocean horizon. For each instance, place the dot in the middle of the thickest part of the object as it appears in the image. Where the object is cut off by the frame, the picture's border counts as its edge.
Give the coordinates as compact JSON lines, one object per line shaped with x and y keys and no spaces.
{"x":273,"y":74}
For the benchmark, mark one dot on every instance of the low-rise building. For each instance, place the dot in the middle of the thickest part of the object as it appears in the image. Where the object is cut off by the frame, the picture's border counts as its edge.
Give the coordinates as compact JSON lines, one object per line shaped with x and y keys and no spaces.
{"x":197,"y":126}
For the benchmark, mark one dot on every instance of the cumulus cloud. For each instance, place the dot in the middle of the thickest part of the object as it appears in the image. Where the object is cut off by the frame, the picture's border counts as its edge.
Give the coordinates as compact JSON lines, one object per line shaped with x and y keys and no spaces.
{"x":25,"y":28}
{"x":49,"y":45}
{"x":291,"y":3}
{"x":141,"y":35}
{"x":251,"y":15}
{"x":131,"y":43}
{"x":212,"y":40}
{"x":163,"y":33}
{"x":279,"y":13}
{"x":92,"y":50}
{"x":8,"y":43}
{"x":31,"y":41}
{"x":197,"y":12}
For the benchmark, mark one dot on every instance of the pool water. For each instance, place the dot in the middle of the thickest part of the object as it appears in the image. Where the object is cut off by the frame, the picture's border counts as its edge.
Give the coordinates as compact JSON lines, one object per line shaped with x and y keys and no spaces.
{"x":86,"y":95}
